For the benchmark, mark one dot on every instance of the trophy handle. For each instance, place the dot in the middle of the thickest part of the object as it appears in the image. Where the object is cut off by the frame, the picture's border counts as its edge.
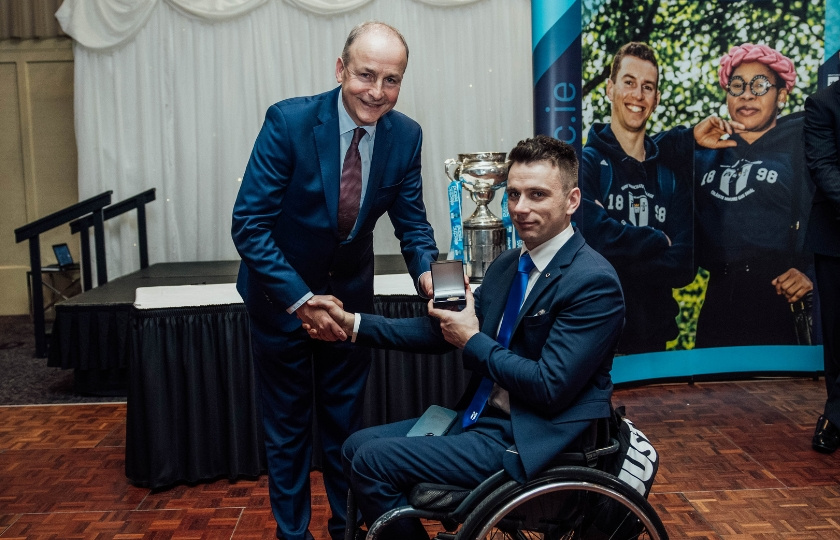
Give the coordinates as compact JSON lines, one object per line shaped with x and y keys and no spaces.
{"x":452,"y":168}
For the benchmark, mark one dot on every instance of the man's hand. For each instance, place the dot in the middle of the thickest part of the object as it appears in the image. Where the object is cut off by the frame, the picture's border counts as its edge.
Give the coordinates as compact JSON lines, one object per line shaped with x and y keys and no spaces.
{"x":457,"y":326}
{"x":319,"y":315}
{"x":793,"y":284}
{"x":426,"y":287}
{"x":708,"y":133}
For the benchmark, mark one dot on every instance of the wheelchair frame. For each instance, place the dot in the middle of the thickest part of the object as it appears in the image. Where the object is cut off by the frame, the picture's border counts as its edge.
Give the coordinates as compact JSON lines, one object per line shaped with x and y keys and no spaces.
{"x":491,"y":505}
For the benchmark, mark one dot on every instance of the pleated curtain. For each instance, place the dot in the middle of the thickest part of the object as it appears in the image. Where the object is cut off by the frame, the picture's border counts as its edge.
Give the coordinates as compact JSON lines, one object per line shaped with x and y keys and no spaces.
{"x":170,"y":94}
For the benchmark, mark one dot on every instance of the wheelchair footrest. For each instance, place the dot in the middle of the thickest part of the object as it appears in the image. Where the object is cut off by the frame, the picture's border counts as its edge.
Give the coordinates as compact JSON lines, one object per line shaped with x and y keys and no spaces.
{"x":437,"y":496}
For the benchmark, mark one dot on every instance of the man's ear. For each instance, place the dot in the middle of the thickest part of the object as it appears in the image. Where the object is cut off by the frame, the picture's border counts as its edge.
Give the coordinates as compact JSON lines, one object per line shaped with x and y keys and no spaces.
{"x":610,"y":89}
{"x":574,"y":200}
{"x":658,"y":95}
{"x":339,"y":71}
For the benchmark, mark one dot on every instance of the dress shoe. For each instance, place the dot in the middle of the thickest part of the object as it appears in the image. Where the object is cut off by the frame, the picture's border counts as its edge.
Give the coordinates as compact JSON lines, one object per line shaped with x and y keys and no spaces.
{"x":826,"y":436}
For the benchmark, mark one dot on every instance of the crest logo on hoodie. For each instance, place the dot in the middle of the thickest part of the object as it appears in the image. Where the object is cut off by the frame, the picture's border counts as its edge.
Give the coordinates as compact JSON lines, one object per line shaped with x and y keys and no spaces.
{"x":735,"y":180}
{"x":638,"y":203}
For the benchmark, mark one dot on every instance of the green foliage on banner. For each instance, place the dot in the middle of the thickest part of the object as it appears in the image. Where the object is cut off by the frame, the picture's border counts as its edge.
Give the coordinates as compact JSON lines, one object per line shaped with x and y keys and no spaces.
{"x":689,"y":37}
{"x":690,"y":299}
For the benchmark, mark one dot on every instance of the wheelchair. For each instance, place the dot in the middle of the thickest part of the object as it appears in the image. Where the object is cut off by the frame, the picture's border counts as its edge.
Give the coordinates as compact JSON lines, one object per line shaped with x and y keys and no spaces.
{"x":575,"y":499}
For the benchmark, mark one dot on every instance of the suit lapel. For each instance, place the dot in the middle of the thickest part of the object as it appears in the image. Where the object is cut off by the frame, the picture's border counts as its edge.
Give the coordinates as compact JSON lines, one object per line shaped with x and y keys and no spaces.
{"x":327,"y":146}
{"x":554,"y":271}
{"x":493,"y":307}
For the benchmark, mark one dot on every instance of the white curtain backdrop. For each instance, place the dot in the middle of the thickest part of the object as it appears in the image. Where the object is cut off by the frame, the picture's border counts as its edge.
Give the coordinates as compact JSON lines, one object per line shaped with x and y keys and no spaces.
{"x":170,"y":94}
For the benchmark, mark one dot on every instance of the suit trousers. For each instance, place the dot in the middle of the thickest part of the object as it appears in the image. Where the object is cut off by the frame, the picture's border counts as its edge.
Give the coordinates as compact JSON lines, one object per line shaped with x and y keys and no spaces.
{"x":828,"y":289}
{"x":383,"y":465}
{"x":296,"y":375}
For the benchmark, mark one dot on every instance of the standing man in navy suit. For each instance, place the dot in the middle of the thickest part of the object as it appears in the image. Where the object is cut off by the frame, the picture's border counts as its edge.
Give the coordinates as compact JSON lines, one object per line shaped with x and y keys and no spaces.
{"x":549,"y":384}
{"x":822,"y":153}
{"x":295,"y":248}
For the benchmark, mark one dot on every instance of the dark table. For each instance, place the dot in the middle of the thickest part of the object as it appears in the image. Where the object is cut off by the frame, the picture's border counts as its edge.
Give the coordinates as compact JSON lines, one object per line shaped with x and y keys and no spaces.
{"x":191,"y":401}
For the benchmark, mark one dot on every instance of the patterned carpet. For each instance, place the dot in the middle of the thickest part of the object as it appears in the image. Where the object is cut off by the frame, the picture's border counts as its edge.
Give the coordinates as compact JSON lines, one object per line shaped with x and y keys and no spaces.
{"x":736,"y":463}
{"x":25,"y":379}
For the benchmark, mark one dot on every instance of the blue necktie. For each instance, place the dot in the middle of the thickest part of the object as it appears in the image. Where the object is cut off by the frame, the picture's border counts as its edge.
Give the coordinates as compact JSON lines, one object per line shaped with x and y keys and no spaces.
{"x":514,"y":302}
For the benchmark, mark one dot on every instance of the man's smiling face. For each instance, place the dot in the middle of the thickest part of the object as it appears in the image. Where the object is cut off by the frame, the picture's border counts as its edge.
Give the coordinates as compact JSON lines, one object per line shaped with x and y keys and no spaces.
{"x":370,"y":82}
{"x":633,"y":93}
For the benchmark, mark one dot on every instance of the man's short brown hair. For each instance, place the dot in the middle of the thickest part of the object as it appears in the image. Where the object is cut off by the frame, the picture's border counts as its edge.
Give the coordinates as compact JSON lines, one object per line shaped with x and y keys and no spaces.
{"x":556,"y":152}
{"x":642,"y":51}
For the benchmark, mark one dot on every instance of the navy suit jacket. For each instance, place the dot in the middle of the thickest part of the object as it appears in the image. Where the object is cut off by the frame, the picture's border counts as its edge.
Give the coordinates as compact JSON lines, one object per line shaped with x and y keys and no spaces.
{"x":557,"y":368}
{"x":822,"y":153}
{"x":285,"y":216}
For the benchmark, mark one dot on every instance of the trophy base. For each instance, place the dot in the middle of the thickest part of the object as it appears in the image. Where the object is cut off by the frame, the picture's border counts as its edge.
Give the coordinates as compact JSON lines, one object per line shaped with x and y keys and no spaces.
{"x":481,"y":247}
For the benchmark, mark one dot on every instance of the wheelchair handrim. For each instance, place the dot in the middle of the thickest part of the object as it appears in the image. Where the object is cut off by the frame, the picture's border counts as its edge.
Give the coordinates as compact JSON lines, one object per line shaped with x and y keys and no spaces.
{"x":501,"y":512}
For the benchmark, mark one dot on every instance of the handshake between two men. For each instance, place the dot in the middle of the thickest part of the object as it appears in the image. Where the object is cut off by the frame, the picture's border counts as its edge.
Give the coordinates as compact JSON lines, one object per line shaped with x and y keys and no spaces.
{"x":328,"y":321}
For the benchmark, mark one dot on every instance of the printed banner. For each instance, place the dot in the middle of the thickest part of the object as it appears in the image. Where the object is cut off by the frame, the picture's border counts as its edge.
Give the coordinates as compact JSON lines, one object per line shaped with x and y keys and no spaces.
{"x":556,"y":42}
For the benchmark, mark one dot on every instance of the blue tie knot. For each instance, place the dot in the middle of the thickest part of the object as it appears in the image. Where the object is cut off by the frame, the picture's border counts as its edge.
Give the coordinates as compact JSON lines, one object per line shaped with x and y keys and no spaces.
{"x":525,"y":263}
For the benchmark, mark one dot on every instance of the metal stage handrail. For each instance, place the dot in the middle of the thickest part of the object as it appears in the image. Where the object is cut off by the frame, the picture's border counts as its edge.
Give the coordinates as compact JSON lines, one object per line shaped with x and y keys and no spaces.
{"x":82,"y":225}
{"x":32,"y":231}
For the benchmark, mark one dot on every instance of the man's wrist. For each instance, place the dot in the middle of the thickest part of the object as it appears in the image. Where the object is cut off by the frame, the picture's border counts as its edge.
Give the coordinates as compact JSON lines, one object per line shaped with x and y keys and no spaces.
{"x":294,"y":307}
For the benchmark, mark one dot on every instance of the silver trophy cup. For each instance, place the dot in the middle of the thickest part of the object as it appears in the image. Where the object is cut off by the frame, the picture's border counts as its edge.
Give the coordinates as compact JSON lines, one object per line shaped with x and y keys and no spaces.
{"x":481,"y":173}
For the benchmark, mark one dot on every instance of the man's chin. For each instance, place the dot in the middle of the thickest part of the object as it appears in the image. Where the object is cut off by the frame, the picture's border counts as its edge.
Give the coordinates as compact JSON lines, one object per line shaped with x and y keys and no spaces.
{"x":371,"y":115}
{"x":639,"y":126}
{"x":636,"y":126}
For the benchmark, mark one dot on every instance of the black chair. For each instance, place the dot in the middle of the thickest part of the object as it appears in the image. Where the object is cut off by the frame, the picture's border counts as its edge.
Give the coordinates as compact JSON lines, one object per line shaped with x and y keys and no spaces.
{"x":575,"y":499}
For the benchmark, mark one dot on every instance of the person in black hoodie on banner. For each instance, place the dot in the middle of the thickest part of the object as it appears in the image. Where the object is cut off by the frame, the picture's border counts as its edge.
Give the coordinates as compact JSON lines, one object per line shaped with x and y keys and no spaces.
{"x":752,"y":202}
{"x":636,"y":207}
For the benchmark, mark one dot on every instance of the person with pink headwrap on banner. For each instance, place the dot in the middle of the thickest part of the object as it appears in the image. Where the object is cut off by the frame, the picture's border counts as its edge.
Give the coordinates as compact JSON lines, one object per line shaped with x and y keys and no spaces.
{"x":751,"y":206}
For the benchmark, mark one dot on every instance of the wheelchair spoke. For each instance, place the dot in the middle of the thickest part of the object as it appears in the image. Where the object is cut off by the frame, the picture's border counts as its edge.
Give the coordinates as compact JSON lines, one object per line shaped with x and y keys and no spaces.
{"x":589,"y":507}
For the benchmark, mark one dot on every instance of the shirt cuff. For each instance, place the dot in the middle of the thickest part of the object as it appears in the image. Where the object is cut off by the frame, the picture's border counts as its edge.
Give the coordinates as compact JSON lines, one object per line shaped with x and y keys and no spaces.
{"x":419,"y":287}
{"x":290,"y":310}
{"x":357,"y":320}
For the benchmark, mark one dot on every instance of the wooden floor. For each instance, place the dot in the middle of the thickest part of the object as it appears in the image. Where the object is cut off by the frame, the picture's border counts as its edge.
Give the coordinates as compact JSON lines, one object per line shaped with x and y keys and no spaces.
{"x":736,"y":463}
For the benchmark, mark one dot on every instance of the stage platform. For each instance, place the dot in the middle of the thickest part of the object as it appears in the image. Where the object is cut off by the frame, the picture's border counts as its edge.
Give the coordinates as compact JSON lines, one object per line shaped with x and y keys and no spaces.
{"x":90,"y":331}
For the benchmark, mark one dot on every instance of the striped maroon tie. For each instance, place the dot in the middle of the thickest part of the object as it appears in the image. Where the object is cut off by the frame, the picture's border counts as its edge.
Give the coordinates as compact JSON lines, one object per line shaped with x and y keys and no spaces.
{"x":351,"y":186}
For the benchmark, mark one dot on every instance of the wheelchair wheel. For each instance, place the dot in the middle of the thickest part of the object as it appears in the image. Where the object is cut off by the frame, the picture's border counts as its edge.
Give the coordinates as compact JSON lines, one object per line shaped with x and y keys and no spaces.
{"x":565,"y":503}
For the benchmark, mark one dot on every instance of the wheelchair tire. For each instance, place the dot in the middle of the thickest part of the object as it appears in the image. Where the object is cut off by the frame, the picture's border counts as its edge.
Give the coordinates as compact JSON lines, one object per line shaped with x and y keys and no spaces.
{"x":565,"y":503}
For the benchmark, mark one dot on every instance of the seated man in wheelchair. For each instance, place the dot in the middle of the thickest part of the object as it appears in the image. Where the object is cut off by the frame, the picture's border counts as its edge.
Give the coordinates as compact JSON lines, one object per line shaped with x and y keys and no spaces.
{"x":538,"y":334}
